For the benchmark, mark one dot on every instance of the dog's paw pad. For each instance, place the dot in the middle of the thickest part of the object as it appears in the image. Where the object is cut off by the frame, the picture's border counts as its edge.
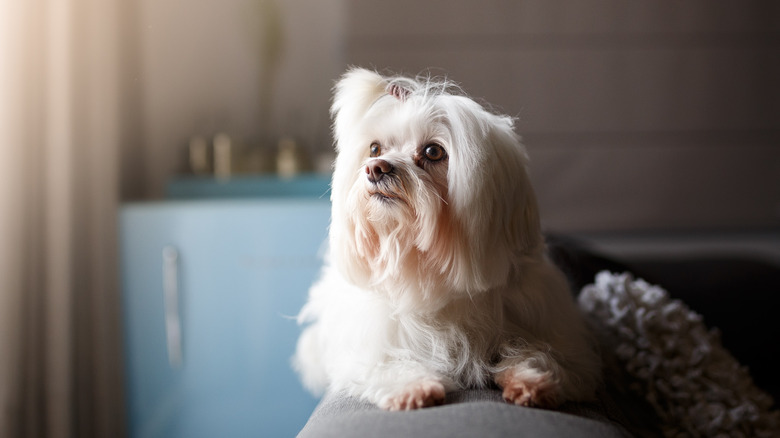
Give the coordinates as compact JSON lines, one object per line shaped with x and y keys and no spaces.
{"x":416,"y":395}
{"x":534,"y":390}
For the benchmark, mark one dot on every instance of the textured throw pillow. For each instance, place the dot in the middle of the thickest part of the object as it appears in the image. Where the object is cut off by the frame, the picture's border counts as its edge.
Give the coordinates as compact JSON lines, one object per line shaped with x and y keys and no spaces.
{"x":696,"y":387}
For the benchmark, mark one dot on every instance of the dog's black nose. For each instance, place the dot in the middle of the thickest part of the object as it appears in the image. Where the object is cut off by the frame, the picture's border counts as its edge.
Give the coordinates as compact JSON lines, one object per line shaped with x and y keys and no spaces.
{"x":377,"y":168}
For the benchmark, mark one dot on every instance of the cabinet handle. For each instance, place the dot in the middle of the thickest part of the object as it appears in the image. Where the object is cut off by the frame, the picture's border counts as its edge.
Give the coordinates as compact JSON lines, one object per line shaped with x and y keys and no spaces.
{"x":171,"y":296}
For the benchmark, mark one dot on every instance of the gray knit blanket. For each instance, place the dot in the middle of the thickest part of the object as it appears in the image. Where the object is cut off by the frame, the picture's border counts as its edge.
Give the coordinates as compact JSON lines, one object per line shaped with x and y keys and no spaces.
{"x":696,"y":387}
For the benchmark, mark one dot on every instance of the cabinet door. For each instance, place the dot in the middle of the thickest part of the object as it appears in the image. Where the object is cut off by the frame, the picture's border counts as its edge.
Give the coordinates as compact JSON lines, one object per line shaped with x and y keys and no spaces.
{"x":241,"y":272}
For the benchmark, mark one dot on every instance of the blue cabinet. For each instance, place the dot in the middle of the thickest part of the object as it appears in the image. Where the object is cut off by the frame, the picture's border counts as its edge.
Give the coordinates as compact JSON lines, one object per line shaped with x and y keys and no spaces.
{"x":210,"y":289}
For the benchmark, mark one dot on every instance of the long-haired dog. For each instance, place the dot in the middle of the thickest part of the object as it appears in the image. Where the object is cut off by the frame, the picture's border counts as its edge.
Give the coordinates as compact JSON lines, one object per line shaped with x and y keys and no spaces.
{"x":437,"y":277}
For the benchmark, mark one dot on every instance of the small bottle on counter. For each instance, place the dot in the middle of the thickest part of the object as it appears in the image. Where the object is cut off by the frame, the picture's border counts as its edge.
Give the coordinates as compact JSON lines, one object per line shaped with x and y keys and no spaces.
{"x":223,"y":156}
{"x":199,"y":156}
{"x":290,"y":158}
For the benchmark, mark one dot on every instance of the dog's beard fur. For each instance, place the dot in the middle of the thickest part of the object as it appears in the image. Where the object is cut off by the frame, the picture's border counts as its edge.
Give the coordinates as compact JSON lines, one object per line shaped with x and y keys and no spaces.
{"x":436,"y":277}
{"x":402,"y":235}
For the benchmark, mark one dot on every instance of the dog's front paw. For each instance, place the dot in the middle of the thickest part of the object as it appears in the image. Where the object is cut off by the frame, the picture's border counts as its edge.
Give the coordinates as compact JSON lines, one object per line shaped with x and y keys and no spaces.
{"x":421,"y":394}
{"x":528,"y":387}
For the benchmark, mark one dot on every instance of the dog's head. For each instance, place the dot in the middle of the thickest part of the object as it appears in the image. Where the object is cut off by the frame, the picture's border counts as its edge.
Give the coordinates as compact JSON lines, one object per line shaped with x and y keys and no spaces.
{"x":431,"y":198}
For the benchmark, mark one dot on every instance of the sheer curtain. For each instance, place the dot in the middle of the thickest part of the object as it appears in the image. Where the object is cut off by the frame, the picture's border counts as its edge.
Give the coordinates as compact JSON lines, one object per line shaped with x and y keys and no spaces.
{"x":60,"y":366}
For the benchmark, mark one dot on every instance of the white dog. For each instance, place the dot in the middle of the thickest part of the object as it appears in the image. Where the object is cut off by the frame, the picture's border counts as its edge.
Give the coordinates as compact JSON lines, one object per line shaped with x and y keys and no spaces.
{"x":437,"y":277}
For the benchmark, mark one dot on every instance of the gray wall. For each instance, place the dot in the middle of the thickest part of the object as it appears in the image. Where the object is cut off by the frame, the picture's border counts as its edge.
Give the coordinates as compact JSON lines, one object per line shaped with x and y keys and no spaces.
{"x":637,"y":115}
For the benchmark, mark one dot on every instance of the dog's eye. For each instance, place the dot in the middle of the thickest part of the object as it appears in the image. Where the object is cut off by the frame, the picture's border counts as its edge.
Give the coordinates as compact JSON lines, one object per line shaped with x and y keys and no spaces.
{"x":434,"y":152}
{"x":375,"y":150}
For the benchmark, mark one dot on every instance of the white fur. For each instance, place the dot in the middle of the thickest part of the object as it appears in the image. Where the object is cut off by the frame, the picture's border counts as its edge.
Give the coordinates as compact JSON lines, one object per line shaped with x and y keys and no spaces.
{"x":437,"y":277}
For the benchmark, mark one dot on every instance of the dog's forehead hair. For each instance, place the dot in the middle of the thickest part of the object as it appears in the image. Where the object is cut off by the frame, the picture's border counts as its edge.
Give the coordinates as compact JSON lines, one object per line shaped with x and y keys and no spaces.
{"x":407,"y":131}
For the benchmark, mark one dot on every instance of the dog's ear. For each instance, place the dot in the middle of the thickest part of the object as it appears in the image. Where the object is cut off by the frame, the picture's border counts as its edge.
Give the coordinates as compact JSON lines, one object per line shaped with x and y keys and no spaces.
{"x":492,"y":195}
{"x":353,"y":95}
{"x":401,"y":87}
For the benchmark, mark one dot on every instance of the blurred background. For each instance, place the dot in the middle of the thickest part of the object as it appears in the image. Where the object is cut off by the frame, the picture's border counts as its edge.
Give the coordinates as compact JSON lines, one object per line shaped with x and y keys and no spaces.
{"x":639,"y":117}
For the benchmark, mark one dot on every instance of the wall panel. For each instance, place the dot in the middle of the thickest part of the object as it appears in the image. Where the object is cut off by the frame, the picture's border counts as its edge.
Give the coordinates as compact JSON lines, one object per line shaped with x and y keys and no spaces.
{"x":637,"y":115}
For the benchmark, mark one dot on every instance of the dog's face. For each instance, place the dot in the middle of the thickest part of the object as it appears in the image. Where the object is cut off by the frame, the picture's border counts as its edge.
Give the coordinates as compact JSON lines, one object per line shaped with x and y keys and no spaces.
{"x":431,"y":200}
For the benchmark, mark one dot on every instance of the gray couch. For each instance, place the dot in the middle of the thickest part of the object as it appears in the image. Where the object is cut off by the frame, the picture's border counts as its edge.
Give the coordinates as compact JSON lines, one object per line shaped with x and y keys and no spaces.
{"x":472,"y":413}
{"x":737,"y":295}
